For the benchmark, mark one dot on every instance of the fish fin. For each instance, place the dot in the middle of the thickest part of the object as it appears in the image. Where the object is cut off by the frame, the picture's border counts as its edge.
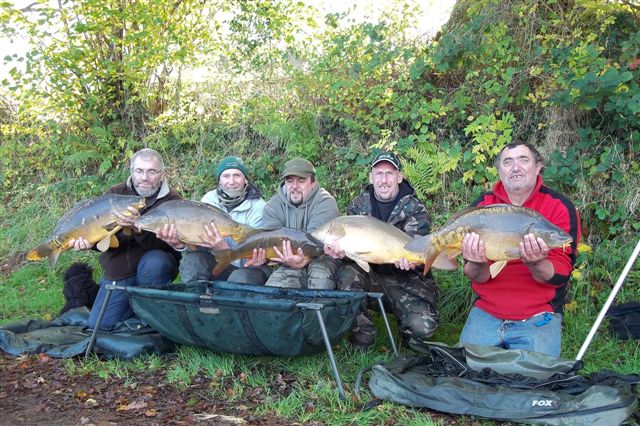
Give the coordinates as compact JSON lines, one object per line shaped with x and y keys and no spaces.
{"x":244,"y":232}
{"x":364,"y":265}
{"x":452,"y":252}
{"x":496,"y":267}
{"x":461,"y":213}
{"x":103,"y":245}
{"x":223,"y":259}
{"x":53,"y":257}
{"x":445,"y":263}
{"x":127,"y":231}
{"x":338,"y":231}
{"x":430,"y":258}
{"x":419,"y":244}
{"x":110,"y":226}
{"x":113,"y":242}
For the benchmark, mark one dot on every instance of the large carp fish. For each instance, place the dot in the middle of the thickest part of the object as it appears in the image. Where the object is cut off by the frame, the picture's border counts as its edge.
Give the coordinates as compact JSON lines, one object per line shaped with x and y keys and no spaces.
{"x":92,"y":219}
{"x":189,"y":218}
{"x":365,"y":240}
{"x":500,"y":226}
{"x":267,"y":239}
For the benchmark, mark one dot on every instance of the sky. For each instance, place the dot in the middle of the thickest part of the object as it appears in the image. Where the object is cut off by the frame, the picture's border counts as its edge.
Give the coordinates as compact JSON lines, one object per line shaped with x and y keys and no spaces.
{"x":435,"y":14}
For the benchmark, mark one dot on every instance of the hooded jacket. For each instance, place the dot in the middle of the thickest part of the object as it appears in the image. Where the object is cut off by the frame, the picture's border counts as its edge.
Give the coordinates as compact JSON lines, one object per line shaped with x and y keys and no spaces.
{"x":316,"y":210}
{"x":122,"y":262}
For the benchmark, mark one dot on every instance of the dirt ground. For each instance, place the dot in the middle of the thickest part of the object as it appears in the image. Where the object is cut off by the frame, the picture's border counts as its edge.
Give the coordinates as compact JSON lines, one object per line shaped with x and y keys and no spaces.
{"x":37,"y":390}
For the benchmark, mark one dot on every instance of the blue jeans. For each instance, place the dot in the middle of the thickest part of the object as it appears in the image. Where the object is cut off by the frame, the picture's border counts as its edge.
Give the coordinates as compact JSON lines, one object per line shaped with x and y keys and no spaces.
{"x":540,"y":333}
{"x":156,"y":267}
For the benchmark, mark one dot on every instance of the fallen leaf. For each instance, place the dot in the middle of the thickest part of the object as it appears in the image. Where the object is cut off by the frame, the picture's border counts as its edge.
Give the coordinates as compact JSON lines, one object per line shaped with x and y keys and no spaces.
{"x":220,"y":418}
{"x":91,"y":402}
{"x":135,"y":405}
{"x":151,"y":413}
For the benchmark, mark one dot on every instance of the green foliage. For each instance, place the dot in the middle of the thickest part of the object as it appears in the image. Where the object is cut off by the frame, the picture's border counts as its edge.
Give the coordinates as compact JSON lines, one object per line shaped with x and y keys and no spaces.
{"x":285,"y":82}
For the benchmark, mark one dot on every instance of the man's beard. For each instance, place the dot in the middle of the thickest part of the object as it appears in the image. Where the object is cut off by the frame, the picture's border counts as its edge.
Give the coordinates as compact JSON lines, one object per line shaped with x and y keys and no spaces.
{"x":295,"y":203}
{"x":147,"y":192}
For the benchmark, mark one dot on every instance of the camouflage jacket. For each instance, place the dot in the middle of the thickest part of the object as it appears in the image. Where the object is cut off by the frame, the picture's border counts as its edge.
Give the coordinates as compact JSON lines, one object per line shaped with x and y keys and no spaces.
{"x":409,"y":214}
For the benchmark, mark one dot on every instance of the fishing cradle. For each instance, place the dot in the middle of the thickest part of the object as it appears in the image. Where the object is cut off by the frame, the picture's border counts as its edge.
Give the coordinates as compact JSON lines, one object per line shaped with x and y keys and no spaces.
{"x":246,"y":319}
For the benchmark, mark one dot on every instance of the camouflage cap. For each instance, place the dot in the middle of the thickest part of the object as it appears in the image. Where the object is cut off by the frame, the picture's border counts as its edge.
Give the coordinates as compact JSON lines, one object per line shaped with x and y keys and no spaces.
{"x":389,"y":157}
{"x":298,"y":167}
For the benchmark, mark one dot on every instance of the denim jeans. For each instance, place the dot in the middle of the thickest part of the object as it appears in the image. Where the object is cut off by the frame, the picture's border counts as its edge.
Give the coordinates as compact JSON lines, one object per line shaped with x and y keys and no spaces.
{"x":540,"y":333}
{"x":156,"y":267}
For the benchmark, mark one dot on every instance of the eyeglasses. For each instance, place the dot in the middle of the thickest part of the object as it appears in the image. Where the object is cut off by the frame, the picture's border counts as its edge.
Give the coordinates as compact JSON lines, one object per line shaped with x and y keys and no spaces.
{"x":151,"y":172}
{"x":380,"y":175}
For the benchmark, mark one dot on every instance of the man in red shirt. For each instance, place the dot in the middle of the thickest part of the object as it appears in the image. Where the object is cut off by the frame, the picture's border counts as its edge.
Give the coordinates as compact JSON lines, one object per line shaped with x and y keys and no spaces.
{"x":521,"y":308}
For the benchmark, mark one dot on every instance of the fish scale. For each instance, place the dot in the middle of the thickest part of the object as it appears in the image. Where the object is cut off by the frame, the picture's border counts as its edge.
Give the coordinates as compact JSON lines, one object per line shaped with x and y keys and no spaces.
{"x":93,"y":219}
{"x":190,"y":217}
{"x":500,"y":226}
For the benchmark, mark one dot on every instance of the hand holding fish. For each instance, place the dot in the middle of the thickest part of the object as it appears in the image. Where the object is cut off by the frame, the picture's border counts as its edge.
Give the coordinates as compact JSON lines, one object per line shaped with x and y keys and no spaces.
{"x":534,"y":252}
{"x":288,"y":258}
{"x":532,"y":249}
{"x":128,"y":219}
{"x":473,"y":248}
{"x":78,"y":244}
{"x":259,"y":257}
{"x":213,"y":238}
{"x":169,"y":235}
{"x":405,"y":265}
{"x":477,"y":265}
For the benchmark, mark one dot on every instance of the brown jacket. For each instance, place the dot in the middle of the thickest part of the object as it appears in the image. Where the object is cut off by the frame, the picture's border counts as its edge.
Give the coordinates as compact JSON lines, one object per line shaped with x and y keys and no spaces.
{"x":122,"y":262}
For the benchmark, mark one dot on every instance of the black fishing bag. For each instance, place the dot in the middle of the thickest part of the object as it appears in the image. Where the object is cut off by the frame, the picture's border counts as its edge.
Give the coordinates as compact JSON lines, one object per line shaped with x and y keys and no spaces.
{"x":508,"y":385}
{"x":624,"y":320}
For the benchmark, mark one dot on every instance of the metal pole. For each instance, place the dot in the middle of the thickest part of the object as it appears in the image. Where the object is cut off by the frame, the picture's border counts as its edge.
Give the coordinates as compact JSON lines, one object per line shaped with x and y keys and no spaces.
{"x":103,"y":308}
{"x":378,"y":296}
{"x":609,"y":301}
{"x":332,"y":359}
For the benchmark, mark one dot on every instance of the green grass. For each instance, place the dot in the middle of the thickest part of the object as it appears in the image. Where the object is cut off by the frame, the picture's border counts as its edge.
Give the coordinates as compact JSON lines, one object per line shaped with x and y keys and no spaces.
{"x":34,"y":291}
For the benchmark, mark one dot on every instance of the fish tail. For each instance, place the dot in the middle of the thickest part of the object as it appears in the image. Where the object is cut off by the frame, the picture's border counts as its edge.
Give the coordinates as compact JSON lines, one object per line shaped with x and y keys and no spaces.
{"x":40,"y":252}
{"x":223,"y":259}
{"x":420,"y":245}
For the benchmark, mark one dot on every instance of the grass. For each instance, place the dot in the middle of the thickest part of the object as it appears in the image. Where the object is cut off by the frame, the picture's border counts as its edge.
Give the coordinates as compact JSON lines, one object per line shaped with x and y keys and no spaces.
{"x":34,"y":291}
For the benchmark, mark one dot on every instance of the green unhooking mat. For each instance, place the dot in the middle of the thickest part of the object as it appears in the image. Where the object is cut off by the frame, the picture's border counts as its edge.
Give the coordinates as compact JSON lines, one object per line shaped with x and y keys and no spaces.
{"x":68,"y":336}
{"x":503,"y":384}
{"x":246,"y":319}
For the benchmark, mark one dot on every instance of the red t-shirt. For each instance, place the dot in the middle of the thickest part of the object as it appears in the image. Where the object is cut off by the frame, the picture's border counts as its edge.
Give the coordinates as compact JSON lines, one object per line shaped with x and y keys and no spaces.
{"x":514,"y":294}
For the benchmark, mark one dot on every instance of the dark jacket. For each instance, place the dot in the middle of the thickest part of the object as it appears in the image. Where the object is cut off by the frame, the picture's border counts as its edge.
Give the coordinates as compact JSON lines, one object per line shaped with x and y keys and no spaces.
{"x":122,"y":262}
{"x":408,"y":215}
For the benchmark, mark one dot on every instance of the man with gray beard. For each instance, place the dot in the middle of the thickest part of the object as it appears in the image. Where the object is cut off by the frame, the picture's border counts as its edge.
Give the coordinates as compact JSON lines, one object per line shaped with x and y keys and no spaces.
{"x":142,"y":258}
